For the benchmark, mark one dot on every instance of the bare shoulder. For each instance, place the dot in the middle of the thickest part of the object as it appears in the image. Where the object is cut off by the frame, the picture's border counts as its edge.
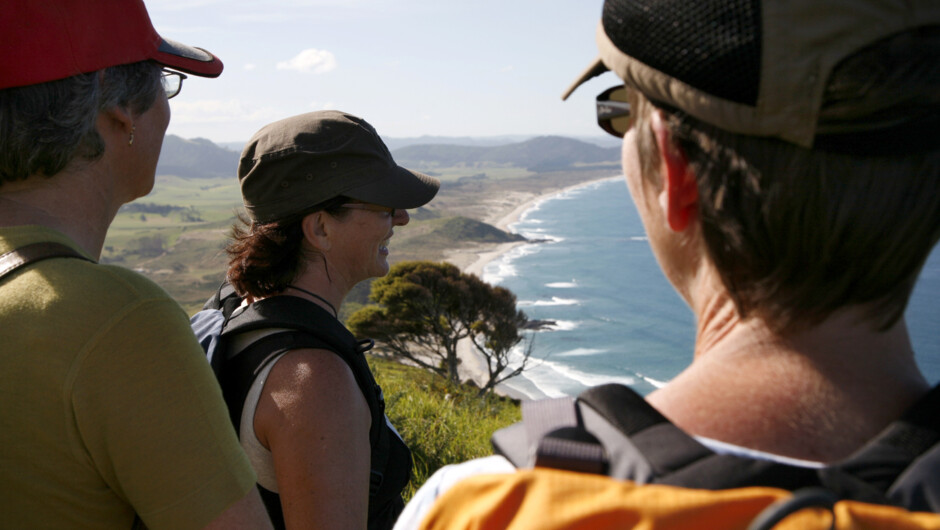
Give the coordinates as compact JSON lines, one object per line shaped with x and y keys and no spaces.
{"x":312,"y":383}
{"x":311,"y":366}
{"x":314,"y":419}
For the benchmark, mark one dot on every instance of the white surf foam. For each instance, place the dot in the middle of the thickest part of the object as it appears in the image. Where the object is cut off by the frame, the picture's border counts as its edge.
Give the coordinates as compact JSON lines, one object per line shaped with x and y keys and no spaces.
{"x":562,"y":325}
{"x":555,"y":301}
{"x":650,"y":380}
{"x":580,"y":352}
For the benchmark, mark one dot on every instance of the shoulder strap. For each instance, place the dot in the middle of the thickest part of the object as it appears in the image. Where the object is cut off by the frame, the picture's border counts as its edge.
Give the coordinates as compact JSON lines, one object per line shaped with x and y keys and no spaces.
{"x":293,"y":313}
{"x":634,"y":441}
{"x":29,"y":254}
{"x":902,"y":464}
{"x":638,"y":443}
{"x":225,"y":299}
{"x":311,"y":327}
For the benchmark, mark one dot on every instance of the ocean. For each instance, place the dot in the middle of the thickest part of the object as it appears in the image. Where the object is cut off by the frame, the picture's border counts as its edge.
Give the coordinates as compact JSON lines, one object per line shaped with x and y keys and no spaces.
{"x":616,"y":318}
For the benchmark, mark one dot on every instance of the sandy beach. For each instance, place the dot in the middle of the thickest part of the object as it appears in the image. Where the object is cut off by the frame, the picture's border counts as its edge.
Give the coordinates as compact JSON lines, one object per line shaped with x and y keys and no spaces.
{"x":473,"y":261}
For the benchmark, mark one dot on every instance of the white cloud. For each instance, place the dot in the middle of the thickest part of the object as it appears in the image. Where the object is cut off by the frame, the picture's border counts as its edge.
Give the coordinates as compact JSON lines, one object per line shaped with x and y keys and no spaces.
{"x":250,"y":66}
{"x":310,"y":61}
{"x":329,"y":105}
{"x":220,"y":111}
{"x":506,"y":69}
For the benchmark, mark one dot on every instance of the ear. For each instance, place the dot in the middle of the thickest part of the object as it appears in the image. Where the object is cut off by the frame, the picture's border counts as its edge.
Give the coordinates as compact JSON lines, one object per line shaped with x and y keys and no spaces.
{"x":679,"y":197}
{"x":317,"y":231}
{"x":116,"y":121}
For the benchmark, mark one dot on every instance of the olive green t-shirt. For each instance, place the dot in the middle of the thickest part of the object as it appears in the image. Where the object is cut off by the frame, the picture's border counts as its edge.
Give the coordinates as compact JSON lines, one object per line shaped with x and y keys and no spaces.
{"x":107,"y":404}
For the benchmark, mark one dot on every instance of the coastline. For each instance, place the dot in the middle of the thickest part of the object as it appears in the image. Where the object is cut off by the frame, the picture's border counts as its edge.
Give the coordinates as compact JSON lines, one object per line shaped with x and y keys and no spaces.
{"x":474,"y":261}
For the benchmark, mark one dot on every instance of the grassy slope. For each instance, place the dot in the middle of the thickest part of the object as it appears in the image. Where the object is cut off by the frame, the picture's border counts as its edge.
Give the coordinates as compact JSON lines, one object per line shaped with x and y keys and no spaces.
{"x":442,"y":424}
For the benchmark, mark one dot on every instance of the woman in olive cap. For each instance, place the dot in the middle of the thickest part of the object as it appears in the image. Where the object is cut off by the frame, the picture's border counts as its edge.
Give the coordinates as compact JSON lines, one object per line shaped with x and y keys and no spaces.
{"x":323,"y":197}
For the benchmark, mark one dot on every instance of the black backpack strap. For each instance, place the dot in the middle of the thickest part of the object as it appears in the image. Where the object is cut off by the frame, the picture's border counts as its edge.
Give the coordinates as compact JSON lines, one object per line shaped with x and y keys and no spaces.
{"x":638,"y":443}
{"x":621,"y":425}
{"x":646,"y":447}
{"x":901,"y":465}
{"x":801,"y":499}
{"x":322,"y":331}
{"x":550,"y":435}
{"x":898,"y":467}
{"x":239,"y":370}
{"x":378,"y":434}
{"x":35,"y":252}
{"x":310,"y":326}
{"x":225,"y":299}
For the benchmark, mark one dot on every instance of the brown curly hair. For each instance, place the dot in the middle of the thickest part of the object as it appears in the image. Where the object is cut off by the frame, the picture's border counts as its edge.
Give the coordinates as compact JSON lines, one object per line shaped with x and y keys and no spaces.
{"x":265,"y":258}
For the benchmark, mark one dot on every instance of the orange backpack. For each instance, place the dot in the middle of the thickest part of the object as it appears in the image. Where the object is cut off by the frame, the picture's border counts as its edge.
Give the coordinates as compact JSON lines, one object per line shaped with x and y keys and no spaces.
{"x":549,"y":499}
{"x":569,"y":450}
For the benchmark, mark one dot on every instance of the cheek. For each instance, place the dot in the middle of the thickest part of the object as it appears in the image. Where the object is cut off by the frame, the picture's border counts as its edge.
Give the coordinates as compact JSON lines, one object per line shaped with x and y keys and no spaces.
{"x":631,"y":167}
{"x":159,"y":113}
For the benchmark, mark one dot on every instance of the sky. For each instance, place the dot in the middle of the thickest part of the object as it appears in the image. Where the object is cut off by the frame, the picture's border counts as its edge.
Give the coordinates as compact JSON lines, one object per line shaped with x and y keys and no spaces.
{"x":409,"y":67}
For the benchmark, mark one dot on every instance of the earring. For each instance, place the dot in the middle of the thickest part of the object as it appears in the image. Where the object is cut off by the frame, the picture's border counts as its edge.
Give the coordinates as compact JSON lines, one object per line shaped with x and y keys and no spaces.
{"x":131,"y":141}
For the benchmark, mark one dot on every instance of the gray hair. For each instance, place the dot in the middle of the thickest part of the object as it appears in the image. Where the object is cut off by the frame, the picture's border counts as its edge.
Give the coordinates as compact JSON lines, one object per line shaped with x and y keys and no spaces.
{"x":45,"y":127}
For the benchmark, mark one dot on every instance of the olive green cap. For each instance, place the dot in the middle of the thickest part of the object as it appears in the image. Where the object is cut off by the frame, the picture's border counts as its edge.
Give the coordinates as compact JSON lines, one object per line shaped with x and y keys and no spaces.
{"x":293,"y":164}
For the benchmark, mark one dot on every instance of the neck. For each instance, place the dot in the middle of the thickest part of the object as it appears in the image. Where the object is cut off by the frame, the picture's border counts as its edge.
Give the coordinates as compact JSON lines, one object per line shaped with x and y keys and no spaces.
{"x":76,"y":204}
{"x":807,"y":394}
{"x":319,"y":300}
{"x":312,"y":283}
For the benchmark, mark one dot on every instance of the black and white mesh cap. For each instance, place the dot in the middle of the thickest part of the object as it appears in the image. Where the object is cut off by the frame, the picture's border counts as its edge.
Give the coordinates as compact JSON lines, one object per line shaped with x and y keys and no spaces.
{"x":757,"y":67}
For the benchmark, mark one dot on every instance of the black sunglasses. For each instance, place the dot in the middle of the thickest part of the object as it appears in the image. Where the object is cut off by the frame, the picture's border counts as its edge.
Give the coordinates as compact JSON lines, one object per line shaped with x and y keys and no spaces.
{"x":613,"y":110}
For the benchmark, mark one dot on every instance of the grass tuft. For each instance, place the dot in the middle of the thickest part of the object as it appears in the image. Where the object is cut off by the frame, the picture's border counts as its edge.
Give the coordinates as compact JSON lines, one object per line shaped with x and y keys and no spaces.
{"x":441,"y":423}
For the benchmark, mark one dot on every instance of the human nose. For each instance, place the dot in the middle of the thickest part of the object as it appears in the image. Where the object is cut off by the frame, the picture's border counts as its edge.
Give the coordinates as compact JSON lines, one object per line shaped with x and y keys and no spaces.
{"x":401,"y":217}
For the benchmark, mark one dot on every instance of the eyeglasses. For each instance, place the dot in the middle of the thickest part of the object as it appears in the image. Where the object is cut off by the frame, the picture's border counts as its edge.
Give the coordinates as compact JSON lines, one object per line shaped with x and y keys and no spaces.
{"x":371,"y":207}
{"x":613,"y":110}
{"x":172,"y":82}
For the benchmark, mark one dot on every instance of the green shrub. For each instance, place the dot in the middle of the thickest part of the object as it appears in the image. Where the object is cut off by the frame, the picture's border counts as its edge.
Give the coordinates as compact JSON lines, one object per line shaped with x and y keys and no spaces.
{"x":441,"y":423}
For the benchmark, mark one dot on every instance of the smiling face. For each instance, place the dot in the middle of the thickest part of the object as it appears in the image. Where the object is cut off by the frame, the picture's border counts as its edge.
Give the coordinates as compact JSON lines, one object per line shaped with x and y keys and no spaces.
{"x":361,"y":247}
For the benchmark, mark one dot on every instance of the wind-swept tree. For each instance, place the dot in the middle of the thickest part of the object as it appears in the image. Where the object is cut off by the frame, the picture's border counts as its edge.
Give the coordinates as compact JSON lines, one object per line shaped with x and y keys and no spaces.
{"x":426,"y":309}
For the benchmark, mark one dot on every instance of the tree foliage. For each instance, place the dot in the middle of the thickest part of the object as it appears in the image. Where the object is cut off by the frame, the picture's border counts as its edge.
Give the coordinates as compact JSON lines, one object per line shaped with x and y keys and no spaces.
{"x":426,"y":309}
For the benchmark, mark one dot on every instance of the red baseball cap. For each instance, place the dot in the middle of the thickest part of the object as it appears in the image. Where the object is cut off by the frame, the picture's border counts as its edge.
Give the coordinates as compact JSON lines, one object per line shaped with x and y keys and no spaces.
{"x":46,"y":40}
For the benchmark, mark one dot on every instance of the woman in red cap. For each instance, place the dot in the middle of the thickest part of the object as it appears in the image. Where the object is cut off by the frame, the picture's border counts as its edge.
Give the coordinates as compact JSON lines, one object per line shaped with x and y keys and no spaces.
{"x":109,"y":415}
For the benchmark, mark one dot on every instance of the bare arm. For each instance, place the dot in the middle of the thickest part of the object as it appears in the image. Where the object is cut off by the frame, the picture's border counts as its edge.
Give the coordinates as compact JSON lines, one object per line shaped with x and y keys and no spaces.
{"x":248,"y":514}
{"x":314,"y":419}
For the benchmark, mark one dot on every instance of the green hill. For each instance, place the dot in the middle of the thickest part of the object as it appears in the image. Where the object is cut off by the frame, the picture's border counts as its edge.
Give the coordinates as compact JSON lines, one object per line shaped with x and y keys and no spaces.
{"x":196,"y":158}
{"x":454,"y":230}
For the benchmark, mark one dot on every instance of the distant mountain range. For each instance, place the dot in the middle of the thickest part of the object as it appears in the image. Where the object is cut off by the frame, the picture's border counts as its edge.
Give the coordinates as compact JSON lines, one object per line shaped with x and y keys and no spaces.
{"x":476,"y":141}
{"x":200,"y":158}
{"x":544,"y":153}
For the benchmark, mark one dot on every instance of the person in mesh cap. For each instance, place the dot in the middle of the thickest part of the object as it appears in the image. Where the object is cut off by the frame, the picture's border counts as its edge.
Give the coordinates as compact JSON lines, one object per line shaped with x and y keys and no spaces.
{"x":784,"y":160}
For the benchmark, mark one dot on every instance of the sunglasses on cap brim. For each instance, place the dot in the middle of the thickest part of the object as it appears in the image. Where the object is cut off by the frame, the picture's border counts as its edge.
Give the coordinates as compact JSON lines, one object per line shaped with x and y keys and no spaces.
{"x":614,"y":107}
